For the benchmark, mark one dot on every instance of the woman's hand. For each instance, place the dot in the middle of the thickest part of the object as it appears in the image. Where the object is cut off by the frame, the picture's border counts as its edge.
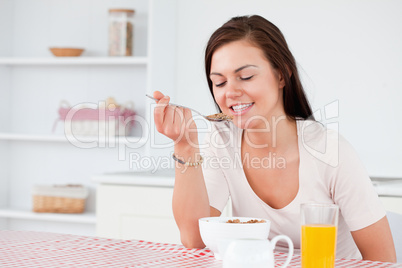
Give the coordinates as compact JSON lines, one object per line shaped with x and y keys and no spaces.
{"x":174,"y":122}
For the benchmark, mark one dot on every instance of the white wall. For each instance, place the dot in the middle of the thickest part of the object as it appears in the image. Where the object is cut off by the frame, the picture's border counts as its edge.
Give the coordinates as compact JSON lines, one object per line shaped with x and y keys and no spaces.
{"x":6,"y":32}
{"x":348,"y":52}
{"x":163,"y":66}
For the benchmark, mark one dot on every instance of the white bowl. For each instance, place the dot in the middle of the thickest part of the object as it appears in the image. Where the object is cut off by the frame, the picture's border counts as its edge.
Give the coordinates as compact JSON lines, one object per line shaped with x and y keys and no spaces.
{"x":216,"y":233}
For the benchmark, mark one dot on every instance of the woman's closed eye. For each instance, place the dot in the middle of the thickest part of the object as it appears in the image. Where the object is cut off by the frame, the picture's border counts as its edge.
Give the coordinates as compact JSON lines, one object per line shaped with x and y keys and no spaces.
{"x":241,"y":78}
{"x":220,"y":84}
{"x":246,"y":78}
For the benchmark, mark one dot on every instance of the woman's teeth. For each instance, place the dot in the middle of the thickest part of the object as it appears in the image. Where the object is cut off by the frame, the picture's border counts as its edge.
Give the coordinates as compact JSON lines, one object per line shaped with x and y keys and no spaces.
{"x":241,"y":107}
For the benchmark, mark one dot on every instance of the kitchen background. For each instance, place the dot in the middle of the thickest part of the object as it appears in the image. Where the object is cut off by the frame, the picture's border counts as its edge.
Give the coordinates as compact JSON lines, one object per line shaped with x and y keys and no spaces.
{"x":350,"y":62}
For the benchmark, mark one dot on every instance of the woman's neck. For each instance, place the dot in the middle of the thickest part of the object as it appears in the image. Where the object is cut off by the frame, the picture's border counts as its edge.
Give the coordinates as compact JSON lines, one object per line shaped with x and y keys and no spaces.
{"x":276,"y":134}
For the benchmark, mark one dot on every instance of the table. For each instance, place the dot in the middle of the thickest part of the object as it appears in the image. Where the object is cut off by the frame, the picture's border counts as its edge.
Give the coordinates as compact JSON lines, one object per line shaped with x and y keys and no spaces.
{"x":44,"y":250}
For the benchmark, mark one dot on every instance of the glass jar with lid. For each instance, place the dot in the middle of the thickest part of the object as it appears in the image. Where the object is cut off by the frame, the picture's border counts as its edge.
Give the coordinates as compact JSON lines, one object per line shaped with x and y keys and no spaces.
{"x":121,"y":31}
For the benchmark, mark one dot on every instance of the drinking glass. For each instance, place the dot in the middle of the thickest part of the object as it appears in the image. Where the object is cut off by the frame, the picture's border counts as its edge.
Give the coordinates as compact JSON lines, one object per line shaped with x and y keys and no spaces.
{"x":319,"y":224}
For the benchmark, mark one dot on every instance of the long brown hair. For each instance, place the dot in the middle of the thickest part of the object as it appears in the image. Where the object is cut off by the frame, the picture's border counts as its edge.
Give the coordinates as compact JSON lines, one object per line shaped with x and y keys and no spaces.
{"x":269,"y":38}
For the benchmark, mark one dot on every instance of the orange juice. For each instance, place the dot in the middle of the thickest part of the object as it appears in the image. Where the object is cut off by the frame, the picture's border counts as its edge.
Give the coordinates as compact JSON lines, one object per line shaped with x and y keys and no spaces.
{"x":318,"y":244}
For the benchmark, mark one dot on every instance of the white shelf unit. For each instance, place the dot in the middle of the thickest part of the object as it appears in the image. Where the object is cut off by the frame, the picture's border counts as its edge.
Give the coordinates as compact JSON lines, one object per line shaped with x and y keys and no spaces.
{"x":87,"y":218}
{"x":9,"y":61}
{"x":33,"y":82}
{"x":138,"y":141}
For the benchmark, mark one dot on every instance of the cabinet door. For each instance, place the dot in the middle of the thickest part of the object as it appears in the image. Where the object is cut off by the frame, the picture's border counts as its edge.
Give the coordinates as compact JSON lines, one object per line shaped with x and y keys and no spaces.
{"x":136,"y":212}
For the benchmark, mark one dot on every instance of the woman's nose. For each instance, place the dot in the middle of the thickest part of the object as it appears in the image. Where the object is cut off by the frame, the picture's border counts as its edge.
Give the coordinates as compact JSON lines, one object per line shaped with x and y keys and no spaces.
{"x":233,"y":89}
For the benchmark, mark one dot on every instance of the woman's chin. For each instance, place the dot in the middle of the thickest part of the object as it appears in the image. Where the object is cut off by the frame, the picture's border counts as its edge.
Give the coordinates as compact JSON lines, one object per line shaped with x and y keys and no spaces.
{"x":250,"y":123}
{"x":243,"y":124}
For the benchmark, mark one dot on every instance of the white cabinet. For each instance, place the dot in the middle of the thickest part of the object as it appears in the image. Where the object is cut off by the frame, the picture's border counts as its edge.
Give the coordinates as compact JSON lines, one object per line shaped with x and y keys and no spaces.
{"x":136,"y":212}
{"x":33,"y":82}
{"x":136,"y":205}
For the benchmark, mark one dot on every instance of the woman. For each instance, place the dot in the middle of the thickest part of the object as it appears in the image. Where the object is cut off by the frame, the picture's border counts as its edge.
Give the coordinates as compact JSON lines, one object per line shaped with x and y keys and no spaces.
{"x":273,"y":156}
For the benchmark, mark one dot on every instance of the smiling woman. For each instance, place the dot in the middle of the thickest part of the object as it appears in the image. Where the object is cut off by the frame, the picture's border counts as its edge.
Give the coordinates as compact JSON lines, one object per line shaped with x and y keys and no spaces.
{"x":253,"y":77}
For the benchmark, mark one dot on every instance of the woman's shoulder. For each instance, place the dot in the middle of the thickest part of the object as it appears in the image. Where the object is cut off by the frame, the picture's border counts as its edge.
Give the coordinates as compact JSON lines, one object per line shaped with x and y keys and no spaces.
{"x":314,"y":132}
{"x":323,"y":143}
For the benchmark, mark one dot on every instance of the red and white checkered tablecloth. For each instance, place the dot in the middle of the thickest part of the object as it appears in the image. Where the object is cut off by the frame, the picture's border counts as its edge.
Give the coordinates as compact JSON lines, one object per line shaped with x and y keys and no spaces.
{"x":44,"y":250}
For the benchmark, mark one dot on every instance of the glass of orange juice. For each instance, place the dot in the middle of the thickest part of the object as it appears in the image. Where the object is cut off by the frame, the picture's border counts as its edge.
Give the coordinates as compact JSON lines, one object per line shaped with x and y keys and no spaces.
{"x":319,"y":223}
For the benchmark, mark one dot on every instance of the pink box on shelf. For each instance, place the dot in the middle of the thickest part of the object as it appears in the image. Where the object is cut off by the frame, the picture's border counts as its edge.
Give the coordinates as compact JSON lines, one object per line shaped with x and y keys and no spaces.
{"x":111,"y":121}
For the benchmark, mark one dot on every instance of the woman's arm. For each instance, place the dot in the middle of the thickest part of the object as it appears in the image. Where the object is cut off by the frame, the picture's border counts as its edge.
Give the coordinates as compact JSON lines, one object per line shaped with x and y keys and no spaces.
{"x":190,"y":198}
{"x":375,"y":242}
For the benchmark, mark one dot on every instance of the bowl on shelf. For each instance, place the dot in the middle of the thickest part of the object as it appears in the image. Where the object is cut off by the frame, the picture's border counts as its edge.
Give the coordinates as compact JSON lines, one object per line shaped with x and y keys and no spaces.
{"x":218,"y":232}
{"x":66,"y":51}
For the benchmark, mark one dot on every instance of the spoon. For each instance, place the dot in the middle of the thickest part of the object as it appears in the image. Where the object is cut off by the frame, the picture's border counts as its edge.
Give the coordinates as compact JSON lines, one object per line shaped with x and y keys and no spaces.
{"x":221,"y":117}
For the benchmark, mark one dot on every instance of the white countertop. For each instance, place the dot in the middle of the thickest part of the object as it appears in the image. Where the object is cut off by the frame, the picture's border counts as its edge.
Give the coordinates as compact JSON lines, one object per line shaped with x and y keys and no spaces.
{"x":388,"y":187}
{"x":160,"y":178}
{"x":165,"y":178}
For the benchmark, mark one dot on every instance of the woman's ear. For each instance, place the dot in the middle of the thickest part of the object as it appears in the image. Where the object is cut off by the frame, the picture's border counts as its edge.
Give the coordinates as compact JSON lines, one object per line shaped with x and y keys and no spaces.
{"x":282,"y":82}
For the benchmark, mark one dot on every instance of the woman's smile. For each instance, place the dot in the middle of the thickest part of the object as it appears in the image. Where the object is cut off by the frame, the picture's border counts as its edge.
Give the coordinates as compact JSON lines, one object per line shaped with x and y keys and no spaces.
{"x":241,"y":109}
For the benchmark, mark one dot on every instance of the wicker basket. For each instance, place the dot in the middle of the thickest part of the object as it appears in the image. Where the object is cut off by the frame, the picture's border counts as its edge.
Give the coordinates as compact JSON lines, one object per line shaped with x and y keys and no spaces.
{"x":59,"y":198}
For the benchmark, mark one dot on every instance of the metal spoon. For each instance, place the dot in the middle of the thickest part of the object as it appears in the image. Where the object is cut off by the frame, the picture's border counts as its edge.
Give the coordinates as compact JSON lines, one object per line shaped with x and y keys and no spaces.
{"x":213,"y":118}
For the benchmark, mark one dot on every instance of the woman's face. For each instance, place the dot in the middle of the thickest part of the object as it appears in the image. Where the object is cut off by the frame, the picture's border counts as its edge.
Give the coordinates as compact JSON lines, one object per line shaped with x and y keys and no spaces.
{"x":245,"y":85}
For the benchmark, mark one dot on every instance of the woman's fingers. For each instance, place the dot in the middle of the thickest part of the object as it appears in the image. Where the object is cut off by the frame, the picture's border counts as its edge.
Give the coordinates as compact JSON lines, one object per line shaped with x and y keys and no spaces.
{"x":188,"y":115}
{"x":169,"y":118}
{"x":160,"y":111}
{"x":173,"y":121}
{"x":158,"y":95}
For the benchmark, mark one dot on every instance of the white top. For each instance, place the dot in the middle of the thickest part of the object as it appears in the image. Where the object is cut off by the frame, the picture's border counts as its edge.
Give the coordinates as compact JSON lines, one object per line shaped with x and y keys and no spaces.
{"x":329,"y":172}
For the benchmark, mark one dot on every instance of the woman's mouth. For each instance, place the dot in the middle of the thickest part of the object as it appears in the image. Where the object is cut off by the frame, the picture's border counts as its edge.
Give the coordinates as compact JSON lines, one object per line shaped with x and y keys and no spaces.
{"x":241,"y":108}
